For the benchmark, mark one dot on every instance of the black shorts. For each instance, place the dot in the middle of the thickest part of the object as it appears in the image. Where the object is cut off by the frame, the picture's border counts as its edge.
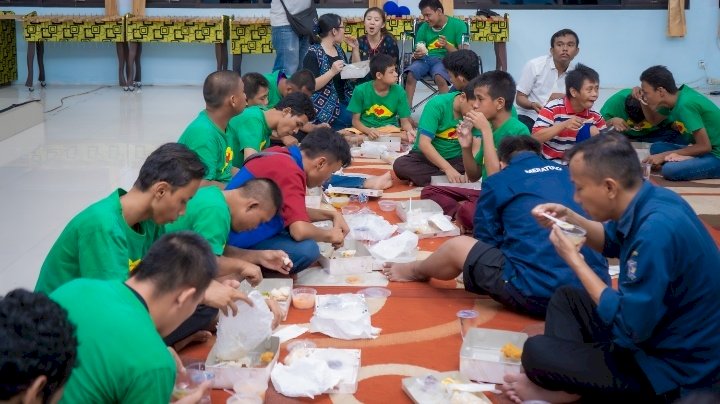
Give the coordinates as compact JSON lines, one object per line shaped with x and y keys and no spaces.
{"x":483,"y":274}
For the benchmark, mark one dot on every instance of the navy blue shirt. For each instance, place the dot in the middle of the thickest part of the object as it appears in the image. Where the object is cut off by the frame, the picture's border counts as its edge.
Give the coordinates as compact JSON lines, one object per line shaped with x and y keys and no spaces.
{"x":667,"y":308}
{"x":503,"y":219}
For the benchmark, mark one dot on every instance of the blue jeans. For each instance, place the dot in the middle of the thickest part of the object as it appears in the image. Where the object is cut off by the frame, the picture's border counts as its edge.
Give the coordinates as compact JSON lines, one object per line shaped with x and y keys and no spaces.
{"x":344,"y":120}
{"x":697,"y":168}
{"x":302,"y":253}
{"x":289,"y":49}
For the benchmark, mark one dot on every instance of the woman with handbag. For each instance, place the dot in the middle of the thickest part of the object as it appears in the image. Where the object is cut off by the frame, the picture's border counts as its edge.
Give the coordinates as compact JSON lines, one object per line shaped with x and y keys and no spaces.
{"x":326,"y":60}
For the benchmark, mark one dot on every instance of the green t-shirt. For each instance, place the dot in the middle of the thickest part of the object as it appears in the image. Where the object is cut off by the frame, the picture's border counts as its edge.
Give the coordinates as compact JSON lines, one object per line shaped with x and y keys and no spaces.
{"x":614,"y":107}
{"x":97,"y":243}
{"x":248,"y":130}
{"x":211,"y":144}
{"x":121,"y":357}
{"x":453,"y":32}
{"x":439,"y":123}
{"x":695,"y":111}
{"x":207,"y":214}
{"x":511,"y":127}
{"x":274,"y":95}
{"x":376,"y":111}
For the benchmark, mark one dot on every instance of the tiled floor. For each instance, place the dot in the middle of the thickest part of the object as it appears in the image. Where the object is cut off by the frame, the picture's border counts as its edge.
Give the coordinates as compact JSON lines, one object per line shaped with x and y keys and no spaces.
{"x":90,"y":145}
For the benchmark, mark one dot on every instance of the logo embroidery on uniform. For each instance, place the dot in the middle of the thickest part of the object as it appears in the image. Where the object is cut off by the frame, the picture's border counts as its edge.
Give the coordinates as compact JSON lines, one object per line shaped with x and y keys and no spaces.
{"x":632,"y":266}
{"x":228,"y":157}
{"x":132,"y":264}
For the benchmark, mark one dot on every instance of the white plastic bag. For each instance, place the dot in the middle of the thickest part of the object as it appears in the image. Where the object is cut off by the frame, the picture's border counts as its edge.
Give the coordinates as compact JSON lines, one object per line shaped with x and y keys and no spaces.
{"x":369,"y":226}
{"x":237,"y":335}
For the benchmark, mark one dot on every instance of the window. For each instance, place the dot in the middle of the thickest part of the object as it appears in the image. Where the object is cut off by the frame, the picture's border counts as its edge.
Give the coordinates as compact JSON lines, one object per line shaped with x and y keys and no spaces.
{"x":565,"y":4}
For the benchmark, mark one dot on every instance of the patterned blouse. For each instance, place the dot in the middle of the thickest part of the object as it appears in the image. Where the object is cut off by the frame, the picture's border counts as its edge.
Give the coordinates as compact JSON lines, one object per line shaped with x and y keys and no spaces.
{"x":388,"y":46}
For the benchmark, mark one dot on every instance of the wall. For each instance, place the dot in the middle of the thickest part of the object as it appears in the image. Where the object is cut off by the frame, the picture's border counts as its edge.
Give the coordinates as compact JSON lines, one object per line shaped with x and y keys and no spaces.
{"x":617,"y":43}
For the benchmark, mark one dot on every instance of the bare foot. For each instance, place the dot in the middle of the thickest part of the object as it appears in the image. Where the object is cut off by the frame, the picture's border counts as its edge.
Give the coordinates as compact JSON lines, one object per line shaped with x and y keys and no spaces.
{"x":198,"y":337}
{"x":519,"y":388}
{"x":379,"y":182}
{"x":402,"y":272}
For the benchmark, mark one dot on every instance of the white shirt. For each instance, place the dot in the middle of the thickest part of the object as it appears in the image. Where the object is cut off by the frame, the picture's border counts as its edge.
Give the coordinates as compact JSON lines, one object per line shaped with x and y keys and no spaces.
{"x":277,"y":12}
{"x":539,"y":80}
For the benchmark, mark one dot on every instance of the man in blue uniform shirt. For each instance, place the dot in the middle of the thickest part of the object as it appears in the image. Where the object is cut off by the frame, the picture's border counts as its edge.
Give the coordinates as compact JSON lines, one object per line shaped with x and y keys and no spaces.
{"x":656,"y":336}
{"x":510,"y":257}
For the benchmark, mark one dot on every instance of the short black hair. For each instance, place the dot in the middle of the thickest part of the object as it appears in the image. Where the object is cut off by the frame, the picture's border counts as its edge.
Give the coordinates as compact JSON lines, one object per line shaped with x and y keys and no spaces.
{"x":609,"y":155}
{"x":328,"y":22}
{"x":263,"y":189}
{"x":433,"y":4}
{"x":499,"y":84}
{"x":634,"y":110}
{"x":299,"y":104}
{"x":252,"y":83}
{"x":36,"y":339}
{"x":511,"y":145}
{"x":576,"y":77}
{"x":328,"y":143}
{"x":462,"y":62}
{"x":563,"y":32}
{"x":380,"y":63}
{"x":659,"y":76}
{"x":173,"y":163}
{"x":303,"y":78}
{"x":218,"y":86}
{"x":177,"y":260}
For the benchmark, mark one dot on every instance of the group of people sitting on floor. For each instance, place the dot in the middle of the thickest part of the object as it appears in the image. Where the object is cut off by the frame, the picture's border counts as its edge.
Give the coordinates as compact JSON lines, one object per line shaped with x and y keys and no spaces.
{"x":155,"y":264}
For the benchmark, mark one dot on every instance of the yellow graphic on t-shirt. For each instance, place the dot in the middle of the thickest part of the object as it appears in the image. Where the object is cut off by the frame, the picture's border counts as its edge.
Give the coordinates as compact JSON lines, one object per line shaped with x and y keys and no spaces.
{"x":450,"y":133}
{"x":228,"y":157}
{"x":132,"y":264}
{"x":436,"y":44}
{"x":639,"y":126}
{"x":379,"y":111}
{"x":679,"y":126}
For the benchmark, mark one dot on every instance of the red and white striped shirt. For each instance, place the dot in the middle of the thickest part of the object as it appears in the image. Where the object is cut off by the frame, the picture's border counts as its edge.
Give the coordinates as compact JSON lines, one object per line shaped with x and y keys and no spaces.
{"x":558,"y":111}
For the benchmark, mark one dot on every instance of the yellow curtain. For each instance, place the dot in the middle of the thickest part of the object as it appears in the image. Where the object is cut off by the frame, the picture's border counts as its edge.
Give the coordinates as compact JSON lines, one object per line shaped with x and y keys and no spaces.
{"x":676,"y":18}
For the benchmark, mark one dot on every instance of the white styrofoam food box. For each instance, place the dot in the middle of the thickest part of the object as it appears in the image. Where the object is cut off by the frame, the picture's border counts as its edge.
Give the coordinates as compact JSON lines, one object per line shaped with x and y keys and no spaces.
{"x":334,"y":263}
{"x":480,"y":356}
{"x":424,"y":205}
{"x":254,"y":378}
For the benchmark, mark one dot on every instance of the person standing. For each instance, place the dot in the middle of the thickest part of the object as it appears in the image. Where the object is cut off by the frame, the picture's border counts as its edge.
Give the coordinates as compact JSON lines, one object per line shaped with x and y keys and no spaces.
{"x":290,"y":48}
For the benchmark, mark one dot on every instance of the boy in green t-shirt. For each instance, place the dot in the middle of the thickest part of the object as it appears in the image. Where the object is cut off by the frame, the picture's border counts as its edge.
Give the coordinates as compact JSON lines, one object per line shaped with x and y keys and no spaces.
{"x":206,"y":135}
{"x":381,"y":102}
{"x":492,"y":95}
{"x":280,"y":86}
{"x":640,"y":123}
{"x":257,"y":89}
{"x":436,"y":150}
{"x":250,"y":131}
{"x":120,"y":324}
{"x":438,"y":36}
{"x":698,"y":115}
{"x":212,"y":214}
{"x":111,"y":237}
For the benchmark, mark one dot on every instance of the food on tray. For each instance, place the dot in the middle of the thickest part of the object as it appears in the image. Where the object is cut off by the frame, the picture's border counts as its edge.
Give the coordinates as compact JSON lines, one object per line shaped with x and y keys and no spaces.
{"x":352,"y":279}
{"x":280,"y":294}
{"x":267,"y":357}
{"x":511,"y":351}
{"x":347,"y":253}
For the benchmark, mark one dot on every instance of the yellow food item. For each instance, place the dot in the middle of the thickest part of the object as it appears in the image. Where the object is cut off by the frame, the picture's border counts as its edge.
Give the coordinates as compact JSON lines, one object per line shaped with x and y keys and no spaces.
{"x":511,"y":351}
{"x":267,"y":357}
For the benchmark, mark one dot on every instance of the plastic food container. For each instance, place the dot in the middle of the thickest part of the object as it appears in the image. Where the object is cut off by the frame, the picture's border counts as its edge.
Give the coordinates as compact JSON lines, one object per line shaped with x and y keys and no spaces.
{"x":387,"y":206}
{"x":303,"y":298}
{"x":481,"y":358}
{"x":350,"y":209}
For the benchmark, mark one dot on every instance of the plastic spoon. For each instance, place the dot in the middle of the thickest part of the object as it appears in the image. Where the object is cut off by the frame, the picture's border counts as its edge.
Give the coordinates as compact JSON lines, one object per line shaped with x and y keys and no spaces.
{"x":563,"y":224}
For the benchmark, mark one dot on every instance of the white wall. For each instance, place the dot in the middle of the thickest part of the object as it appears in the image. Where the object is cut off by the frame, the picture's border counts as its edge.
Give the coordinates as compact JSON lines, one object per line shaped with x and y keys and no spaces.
{"x":619,"y":44}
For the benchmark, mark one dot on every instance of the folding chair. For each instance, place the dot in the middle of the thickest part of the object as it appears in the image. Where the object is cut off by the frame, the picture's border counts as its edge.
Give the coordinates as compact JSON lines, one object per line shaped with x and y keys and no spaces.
{"x":406,"y":59}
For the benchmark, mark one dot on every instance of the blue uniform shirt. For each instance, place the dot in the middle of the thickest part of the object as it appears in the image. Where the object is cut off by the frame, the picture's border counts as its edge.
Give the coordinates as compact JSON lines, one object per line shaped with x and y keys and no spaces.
{"x":667,"y":308}
{"x":503,"y":219}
